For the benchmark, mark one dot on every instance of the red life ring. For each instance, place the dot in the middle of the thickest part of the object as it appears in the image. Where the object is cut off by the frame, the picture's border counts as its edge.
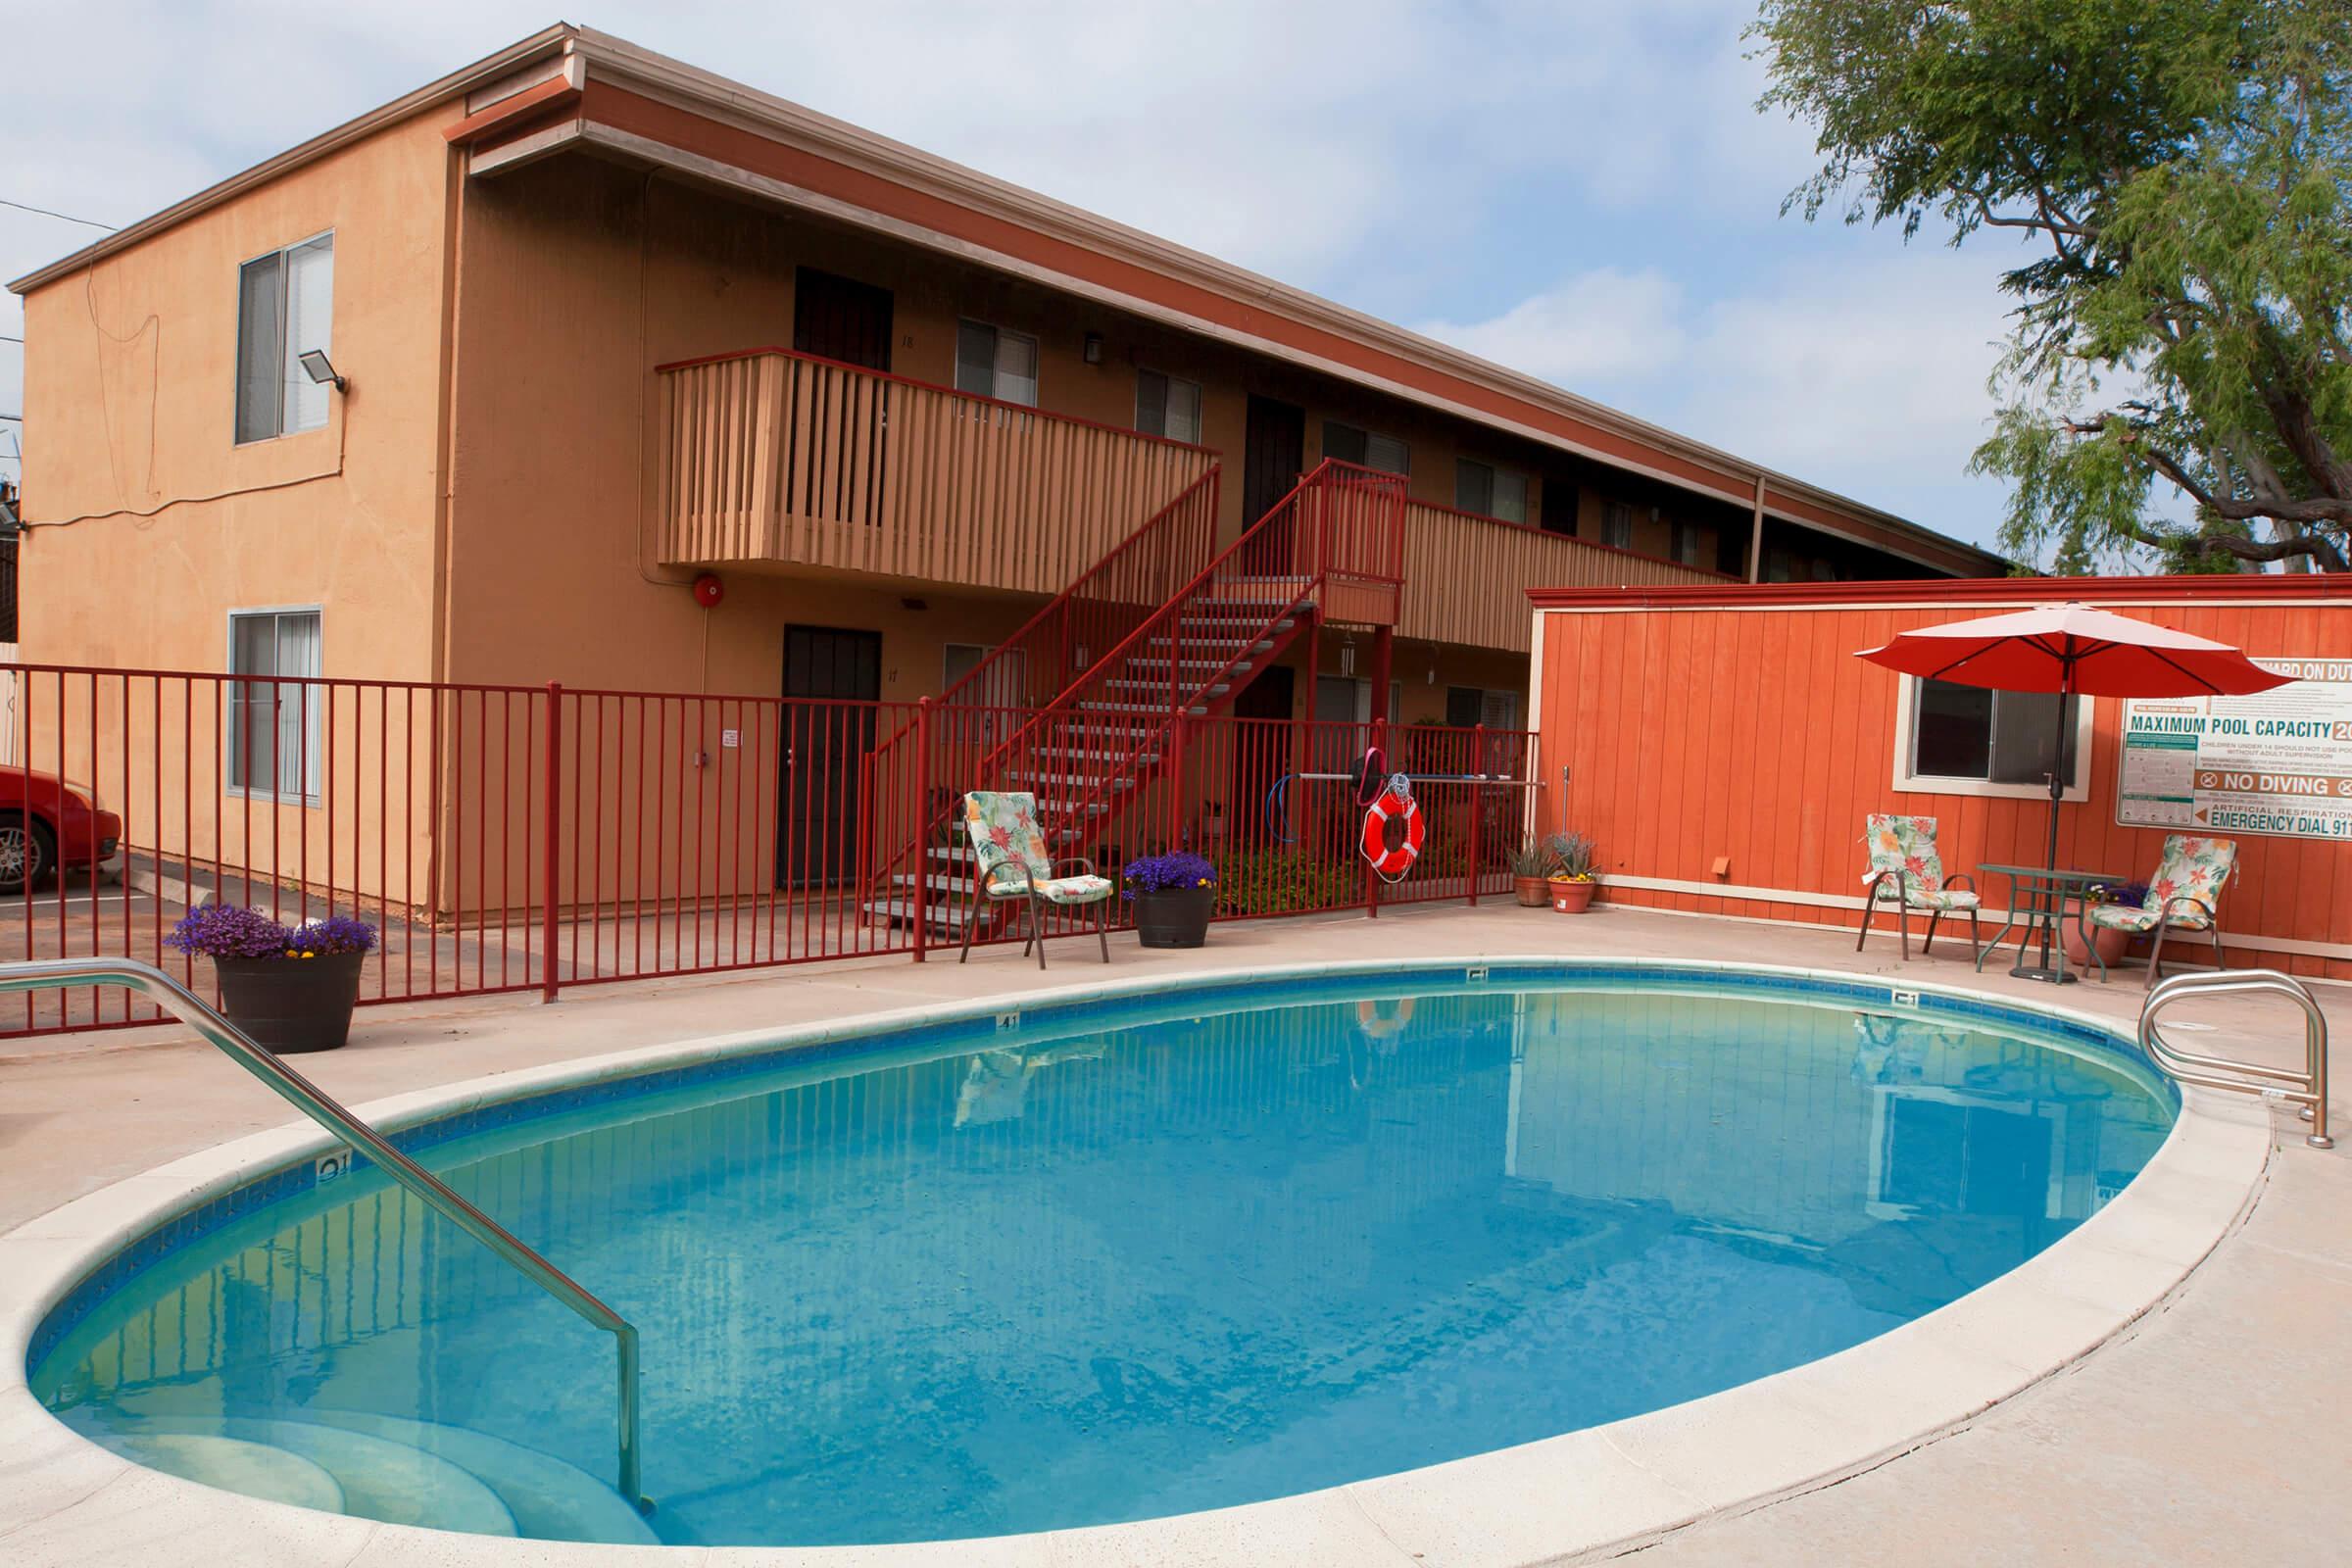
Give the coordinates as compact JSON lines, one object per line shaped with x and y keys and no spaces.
{"x":1392,"y":830}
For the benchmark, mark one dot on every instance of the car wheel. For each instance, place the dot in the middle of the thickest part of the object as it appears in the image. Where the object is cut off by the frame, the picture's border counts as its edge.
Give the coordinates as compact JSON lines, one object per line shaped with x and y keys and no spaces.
{"x":28,"y":852}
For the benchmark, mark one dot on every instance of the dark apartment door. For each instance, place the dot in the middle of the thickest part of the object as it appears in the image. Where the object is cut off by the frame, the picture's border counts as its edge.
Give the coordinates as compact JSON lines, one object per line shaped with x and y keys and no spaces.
{"x":1274,"y":450}
{"x":817,"y":794}
{"x":838,"y":317}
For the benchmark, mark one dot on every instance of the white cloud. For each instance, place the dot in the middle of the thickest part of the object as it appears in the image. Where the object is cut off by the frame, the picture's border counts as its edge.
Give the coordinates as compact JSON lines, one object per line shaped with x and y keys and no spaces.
{"x":1602,"y":325}
{"x":1866,"y":374}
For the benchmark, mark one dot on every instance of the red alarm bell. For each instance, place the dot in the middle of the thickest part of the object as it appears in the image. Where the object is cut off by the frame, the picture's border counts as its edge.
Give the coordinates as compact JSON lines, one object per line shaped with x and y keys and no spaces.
{"x":709,"y":590}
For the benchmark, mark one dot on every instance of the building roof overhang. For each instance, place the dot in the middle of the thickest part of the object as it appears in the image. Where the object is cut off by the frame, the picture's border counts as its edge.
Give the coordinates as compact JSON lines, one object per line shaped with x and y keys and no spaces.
{"x":570,"y":86}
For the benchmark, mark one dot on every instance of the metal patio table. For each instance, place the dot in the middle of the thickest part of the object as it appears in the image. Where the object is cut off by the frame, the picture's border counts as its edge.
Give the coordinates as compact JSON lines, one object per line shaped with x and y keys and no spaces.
{"x":2038,"y":899}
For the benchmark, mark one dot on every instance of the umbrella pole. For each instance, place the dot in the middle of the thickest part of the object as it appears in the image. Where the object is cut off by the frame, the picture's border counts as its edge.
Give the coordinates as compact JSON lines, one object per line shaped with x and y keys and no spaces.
{"x":2066,"y":689}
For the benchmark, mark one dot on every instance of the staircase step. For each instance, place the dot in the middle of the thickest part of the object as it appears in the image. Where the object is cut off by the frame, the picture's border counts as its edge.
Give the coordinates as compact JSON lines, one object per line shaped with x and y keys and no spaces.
{"x":1088,"y":753}
{"x":946,"y":918}
{"x":1074,"y":780}
{"x":1217,"y":689}
{"x":1239,"y":626}
{"x":934,"y":882}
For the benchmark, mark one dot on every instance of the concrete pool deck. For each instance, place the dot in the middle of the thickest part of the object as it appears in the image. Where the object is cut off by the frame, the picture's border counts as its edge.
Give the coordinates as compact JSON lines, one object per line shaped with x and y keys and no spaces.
{"x":2201,"y":1432}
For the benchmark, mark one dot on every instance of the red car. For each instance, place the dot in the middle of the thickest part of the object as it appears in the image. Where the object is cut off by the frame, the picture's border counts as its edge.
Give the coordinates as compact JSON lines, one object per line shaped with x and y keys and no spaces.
{"x":46,"y":824}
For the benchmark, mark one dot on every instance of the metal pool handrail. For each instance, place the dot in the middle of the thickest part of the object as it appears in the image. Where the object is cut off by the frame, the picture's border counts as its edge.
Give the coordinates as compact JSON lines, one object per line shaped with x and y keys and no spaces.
{"x":2307,"y":1087}
{"x":321,"y":1108}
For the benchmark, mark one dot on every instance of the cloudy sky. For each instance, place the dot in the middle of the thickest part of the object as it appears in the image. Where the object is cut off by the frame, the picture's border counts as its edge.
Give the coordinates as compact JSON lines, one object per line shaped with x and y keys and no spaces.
{"x":1577,"y":188}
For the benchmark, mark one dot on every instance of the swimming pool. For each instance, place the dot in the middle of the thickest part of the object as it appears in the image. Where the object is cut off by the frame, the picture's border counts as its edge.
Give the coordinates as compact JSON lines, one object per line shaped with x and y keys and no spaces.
{"x":1113,"y":1258}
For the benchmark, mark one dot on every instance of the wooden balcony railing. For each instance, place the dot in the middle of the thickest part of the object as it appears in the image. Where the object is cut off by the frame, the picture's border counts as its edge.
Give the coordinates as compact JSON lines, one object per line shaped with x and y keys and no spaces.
{"x":1467,"y":576}
{"x":770,"y":456}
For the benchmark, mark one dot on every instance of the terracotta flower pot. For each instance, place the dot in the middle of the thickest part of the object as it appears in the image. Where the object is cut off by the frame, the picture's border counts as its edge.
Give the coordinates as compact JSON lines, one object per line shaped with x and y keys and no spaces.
{"x":292,"y":1005}
{"x":1572,"y":898}
{"x":1174,"y":918}
{"x":2109,"y":941}
{"x":1534,"y":891}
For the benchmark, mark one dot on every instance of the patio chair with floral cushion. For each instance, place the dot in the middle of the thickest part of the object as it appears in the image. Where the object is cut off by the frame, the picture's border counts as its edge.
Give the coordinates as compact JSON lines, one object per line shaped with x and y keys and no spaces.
{"x":2184,"y":894}
{"x":1907,"y":870}
{"x":1011,"y":852}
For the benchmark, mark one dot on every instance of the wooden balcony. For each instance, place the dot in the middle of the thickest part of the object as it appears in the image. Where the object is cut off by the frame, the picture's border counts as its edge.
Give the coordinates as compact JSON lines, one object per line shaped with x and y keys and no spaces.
{"x":1466,"y":576}
{"x":770,"y":457}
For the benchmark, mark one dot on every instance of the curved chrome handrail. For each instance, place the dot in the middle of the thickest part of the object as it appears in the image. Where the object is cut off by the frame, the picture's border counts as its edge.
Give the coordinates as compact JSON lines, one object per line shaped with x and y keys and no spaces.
{"x":2307,"y":1087}
{"x":321,"y":1108}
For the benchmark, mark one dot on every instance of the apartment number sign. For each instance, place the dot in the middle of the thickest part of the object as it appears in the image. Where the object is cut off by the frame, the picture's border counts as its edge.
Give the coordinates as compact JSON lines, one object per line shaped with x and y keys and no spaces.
{"x":2278,"y":763}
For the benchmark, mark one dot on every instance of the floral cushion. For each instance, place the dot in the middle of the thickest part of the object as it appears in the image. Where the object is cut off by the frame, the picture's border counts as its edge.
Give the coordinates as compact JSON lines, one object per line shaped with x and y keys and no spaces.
{"x":2193,"y":866}
{"x":2126,"y":917}
{"x":1906,"y":845}
{"x":1074,"y":888}
{"x":1005,"y":839}
{"x":1940,"y":899}
{"x":1006,"y":842}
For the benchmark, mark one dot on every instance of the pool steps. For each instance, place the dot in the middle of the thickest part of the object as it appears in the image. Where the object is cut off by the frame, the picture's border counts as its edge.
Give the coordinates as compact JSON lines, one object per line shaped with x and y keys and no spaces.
{"x":384,"y":1467}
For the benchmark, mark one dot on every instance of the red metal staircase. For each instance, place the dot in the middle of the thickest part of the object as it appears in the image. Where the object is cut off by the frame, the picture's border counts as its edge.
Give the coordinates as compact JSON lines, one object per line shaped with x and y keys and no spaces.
{"x":1330,"y":550}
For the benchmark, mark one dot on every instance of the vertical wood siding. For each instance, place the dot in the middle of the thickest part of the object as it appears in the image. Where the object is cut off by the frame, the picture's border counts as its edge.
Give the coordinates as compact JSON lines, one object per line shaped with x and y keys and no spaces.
{"x":775,"y":457}
{"x":1465,"y":575}
{"x":1693,"y":733}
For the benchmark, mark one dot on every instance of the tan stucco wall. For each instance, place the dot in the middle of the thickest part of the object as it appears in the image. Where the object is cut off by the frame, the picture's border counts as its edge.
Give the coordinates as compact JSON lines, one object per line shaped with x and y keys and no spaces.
{"x":130,"y":391}
{"x":152,"y":524}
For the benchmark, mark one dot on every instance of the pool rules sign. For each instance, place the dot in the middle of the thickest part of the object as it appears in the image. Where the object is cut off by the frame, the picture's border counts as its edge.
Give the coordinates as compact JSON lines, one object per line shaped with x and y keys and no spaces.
{"x":2278,"y":763}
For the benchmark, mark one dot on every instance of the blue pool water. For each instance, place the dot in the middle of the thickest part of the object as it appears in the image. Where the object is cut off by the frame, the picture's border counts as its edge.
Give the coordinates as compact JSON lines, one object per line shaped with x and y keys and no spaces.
{"x":1137,"y":1260}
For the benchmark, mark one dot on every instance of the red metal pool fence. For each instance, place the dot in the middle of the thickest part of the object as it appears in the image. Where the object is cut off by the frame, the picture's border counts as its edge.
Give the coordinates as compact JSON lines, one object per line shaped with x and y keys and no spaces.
{"x":522,"y":838}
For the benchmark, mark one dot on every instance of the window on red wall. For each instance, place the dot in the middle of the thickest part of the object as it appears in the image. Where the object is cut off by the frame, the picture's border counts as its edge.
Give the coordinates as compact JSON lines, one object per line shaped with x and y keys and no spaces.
{"x":1977,"y":735}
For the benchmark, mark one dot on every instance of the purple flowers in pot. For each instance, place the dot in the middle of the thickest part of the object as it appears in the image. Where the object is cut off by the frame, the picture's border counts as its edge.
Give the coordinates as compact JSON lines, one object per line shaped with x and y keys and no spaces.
{"x":230,"y":931}
{"x":1163,"y":873}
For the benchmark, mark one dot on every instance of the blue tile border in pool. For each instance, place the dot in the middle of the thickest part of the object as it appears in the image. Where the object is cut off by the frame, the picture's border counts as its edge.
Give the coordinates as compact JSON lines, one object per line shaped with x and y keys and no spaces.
{"x":978,"y":1027}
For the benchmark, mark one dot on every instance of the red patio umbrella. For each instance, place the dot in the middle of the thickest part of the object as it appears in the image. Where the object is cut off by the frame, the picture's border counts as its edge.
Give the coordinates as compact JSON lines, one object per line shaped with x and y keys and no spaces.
{"x":2075,"y":651}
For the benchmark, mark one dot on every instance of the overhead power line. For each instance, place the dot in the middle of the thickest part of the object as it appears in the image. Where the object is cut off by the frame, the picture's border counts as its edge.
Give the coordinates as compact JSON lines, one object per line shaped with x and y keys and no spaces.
{"x":27,"y":207}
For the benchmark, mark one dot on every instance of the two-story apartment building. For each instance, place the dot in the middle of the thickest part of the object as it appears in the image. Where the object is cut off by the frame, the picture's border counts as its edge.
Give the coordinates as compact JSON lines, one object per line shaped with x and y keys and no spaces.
{"x":525,"y":275}
{"x":584,"y":366}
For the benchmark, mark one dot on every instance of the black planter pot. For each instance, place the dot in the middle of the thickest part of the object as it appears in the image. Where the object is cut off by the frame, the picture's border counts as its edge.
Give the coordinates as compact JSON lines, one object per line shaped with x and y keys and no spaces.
{"x":1174,"y":918}
{"x":292,"y":1005}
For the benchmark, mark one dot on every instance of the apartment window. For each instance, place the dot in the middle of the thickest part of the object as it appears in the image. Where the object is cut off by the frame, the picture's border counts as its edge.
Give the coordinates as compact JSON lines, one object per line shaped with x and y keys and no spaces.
{"x":274,"y":711}
{"x":994,"y":362}
{"x":1365,"y":448}
{"x":1343,"y":701}
{"x":285,"y":308}
{"x":1165,"y":405}
{"x":1489,"y":491}
{"x":1004,"y":684}
{"x":1687,"y":543}
{"x":1617,"y":525}
{"x":1466,"y":706}
{"x":1983,"y":739}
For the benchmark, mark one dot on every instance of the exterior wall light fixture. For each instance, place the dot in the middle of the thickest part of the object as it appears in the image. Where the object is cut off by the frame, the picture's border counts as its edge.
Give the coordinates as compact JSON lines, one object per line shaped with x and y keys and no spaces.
{"x":322,"y":369}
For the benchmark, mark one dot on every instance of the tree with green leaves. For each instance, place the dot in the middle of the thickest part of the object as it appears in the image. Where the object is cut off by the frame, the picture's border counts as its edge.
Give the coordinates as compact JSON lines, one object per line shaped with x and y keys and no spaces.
{"x":2182,"y":170}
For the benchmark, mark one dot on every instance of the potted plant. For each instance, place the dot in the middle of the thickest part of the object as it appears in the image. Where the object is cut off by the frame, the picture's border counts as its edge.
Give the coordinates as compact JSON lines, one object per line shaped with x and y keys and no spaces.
{"x":1572,"y":879}
{"x":1530,"y":863}
{"x":2107,"y":939}
{"x":291,"y":988}
{"x":1174,"y":895}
